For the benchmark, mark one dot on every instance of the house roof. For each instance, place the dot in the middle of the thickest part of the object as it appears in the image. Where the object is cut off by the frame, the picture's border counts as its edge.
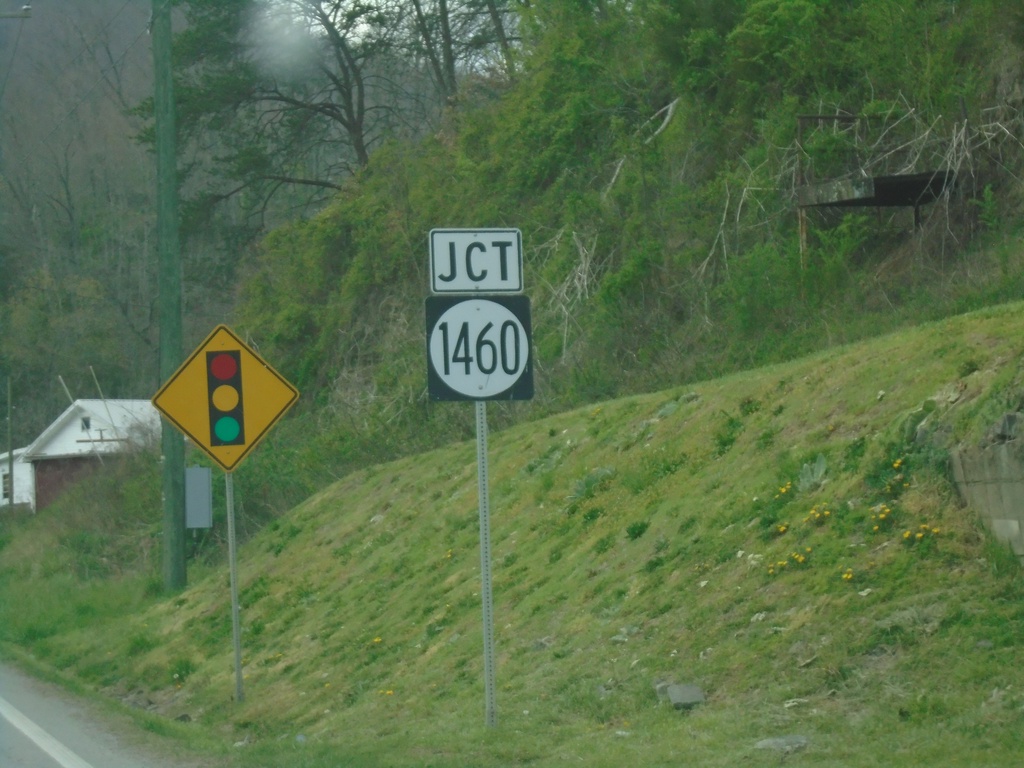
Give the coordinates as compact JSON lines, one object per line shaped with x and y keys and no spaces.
{"x":18,"y":454}
{"x":94,"y":427}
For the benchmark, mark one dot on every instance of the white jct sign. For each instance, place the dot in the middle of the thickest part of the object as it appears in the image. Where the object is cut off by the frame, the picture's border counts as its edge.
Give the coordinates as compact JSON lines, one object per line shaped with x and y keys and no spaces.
{"x":479,"y":349}
{"x":476,"y":261}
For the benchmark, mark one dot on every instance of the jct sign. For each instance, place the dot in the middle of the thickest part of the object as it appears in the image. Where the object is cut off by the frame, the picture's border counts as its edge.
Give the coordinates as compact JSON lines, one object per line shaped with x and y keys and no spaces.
{"x":476,"y":261}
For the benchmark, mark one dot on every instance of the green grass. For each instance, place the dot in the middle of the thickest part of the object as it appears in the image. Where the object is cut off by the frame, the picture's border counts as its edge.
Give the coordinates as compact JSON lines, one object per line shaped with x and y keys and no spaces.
{"x":661,"y":537}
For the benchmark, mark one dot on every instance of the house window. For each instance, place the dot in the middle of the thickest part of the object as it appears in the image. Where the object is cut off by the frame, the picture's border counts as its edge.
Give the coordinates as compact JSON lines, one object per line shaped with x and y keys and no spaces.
{"x":86,"y":423}
{"x":6,"y":486}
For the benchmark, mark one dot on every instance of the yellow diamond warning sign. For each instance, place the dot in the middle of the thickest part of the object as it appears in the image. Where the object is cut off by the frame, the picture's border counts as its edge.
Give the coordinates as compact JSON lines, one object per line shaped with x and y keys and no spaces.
{"x":225,"y":398}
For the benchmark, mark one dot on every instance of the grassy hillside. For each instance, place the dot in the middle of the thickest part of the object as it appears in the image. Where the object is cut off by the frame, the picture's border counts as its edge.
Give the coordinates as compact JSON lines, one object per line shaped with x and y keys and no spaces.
{"x":688,"y":536}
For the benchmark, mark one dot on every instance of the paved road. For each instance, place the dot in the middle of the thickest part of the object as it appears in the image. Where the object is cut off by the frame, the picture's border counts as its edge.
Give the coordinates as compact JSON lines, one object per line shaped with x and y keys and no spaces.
{"x":43,"y":726}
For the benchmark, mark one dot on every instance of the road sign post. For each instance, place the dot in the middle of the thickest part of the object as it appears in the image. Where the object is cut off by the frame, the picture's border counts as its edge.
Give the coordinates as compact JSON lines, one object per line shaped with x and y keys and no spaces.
{"x":225,"y":398}
{"x":479,"y":349}
{"x":486,"y":590}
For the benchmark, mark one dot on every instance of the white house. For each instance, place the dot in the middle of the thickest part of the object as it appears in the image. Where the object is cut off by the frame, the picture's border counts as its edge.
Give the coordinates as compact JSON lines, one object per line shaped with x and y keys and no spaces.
{"x":81,"y":436}
{"x":22,"y":487}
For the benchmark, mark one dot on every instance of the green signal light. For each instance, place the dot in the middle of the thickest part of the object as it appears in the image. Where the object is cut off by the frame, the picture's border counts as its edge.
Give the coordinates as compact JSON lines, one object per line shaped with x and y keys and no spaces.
{"x":227,"y":429}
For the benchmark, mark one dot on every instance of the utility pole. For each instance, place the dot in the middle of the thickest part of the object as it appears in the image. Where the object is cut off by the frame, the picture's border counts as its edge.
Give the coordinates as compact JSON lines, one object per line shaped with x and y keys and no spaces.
{"x":173,"y":447}
{"x":24,"y":13}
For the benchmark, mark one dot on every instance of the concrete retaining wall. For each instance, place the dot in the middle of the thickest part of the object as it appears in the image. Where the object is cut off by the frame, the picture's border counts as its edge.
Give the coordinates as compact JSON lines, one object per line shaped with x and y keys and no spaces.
{"x":991,"y":481}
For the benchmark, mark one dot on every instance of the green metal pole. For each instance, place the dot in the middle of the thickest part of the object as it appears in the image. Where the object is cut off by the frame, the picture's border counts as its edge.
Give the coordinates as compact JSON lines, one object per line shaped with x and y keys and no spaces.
{"x":24,"y":13}
{"x":170,"y":294}
{"x":10,"y":443}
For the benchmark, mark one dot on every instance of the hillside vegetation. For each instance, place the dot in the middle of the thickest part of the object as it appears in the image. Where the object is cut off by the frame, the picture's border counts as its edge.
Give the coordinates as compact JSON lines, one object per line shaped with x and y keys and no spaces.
{"x":649,"y":151}
{"x":777,"y":537}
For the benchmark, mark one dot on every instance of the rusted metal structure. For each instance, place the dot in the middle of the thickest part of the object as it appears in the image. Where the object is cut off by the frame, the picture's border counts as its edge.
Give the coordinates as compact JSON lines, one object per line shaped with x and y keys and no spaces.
{"x":847,"y":161}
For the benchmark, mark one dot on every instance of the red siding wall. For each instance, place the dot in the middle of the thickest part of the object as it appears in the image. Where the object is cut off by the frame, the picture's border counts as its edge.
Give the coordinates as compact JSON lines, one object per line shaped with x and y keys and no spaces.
{"x":54,"y":476}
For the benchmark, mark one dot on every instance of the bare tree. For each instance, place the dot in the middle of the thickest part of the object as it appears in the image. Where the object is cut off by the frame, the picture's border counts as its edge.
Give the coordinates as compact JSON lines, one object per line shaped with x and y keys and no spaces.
{"x":77,"y":284}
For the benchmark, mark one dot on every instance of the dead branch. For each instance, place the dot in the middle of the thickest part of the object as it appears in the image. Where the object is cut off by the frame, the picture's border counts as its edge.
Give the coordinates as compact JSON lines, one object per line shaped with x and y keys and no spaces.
{"x":669,"y":110}
{"x":719,"y":236}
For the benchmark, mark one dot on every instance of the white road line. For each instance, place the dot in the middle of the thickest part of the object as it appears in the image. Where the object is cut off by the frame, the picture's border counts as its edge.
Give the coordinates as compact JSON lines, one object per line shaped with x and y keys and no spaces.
{"x":42,"y":739}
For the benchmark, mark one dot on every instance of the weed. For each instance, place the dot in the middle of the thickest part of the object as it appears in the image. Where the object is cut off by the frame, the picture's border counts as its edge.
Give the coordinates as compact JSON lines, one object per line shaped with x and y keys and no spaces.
{"x":288,"y":531}
{"x":654,"y":564}
{"x":592,"y":514}
{"x":749,"y":406}
{"x":254,"y":592}
{"x":651,"y":469}
{"x":727,"y":434}
{"x":546,"y":461}
{"x":766,"y":439}
{"x":888,"y":477}
{"x":853,"y":453}
{"x":883,"y":519}
{"x":967,"y":367}
{"x":988,"y":209}
{"x":921,"y":538}
{"x":140,"y":644}
{"x":181,"y":668}
{"x":635,"y":530}
{"x":819,"y":515}
{"x":591,"y":484}
{"x":812,"y":476}
{"x":544,"y":485}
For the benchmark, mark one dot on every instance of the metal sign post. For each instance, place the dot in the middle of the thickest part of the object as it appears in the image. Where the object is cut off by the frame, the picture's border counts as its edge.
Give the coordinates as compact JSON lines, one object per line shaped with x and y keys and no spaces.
{"x":236,"y":622}
{"x":486,"y":593}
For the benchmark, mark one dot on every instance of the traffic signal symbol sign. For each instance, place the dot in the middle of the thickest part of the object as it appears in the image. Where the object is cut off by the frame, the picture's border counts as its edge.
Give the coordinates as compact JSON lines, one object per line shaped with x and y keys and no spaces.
{"x":225,"y":398}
